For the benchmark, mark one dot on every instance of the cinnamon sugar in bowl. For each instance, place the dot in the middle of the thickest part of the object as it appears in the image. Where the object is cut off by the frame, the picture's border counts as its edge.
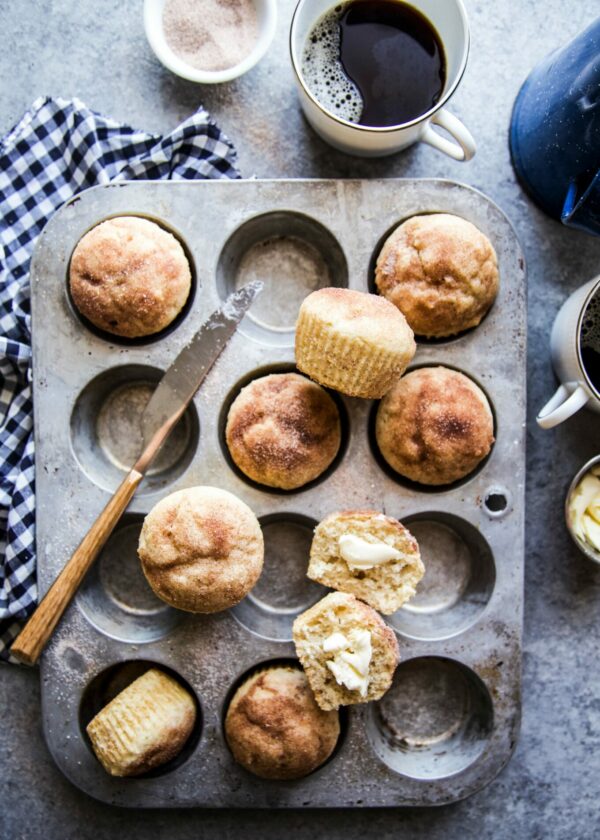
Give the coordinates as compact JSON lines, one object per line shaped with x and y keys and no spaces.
{"x":210,"y":41}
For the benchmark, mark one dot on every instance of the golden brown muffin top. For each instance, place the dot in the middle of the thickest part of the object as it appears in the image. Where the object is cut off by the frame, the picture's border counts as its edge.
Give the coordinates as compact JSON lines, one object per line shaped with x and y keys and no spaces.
{"x":362,"y":316}
{"x":129,"y":277}
{"x":440,"y":271}
{"x":283,"y":430}
{"x":434,"y":426}
{"x":201,"y":549}
{"x":275,"y":728}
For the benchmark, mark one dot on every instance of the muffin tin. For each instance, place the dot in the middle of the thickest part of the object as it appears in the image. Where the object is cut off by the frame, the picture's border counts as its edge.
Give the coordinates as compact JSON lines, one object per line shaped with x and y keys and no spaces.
{"x":449,"y":723}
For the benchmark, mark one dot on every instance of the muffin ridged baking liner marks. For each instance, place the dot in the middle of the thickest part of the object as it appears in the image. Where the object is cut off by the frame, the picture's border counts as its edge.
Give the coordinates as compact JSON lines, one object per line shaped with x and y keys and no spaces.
{"x":460,"y":637}
{"x":110,"y":681}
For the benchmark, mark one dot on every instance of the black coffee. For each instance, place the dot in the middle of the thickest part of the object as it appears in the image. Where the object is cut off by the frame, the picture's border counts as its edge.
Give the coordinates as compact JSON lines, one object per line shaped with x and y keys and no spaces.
{"x":375,"y":62}
{"x":589,"y":340}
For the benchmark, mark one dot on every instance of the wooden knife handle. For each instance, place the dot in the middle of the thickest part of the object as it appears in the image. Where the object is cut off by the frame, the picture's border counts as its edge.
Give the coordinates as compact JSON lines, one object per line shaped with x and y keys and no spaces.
{"x":33,"y":638}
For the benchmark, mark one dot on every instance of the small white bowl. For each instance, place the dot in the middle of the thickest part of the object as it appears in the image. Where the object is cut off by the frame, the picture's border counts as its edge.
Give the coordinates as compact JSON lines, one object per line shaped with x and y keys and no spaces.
{"x":267,"y":21}
{"x":584,"y":547}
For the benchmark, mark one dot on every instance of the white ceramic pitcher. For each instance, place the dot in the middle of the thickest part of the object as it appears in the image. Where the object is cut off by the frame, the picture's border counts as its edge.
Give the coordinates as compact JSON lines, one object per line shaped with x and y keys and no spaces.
{"x":576,"y":389}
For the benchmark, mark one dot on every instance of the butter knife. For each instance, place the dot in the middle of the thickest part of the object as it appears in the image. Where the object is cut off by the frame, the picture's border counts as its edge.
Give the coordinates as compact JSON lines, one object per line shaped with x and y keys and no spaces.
{"x":166,"y":406}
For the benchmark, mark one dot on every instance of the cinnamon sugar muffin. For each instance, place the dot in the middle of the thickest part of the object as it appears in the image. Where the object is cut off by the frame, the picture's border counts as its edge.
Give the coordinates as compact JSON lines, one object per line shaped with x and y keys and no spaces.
{"x":440,"y":271}
{"x":368,"y":554}
{"x":144,"y":726}
{"x":357,"y":343}
{"x":129,"y":277}
{"x":274,"y":727}
{"x":283,"y":430}
{"x":201,"y":549}
{"x":434,"y":426}
{"x":347,"y":650}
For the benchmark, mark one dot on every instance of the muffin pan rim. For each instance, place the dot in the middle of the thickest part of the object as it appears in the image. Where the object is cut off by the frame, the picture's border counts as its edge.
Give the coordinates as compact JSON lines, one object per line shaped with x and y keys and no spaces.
{"x":503,"y":614}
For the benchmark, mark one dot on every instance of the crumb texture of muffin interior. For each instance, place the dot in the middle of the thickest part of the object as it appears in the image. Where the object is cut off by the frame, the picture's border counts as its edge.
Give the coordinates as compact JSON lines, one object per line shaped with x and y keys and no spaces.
{"x":144,"y":726}
{"x":129,"y":277}
{"x":435,"y":426}
{"x":348,"y":652}
{"x":201,"y":549}
{"x":357,"y":343}
{"x":440,"y":271}
{"x":369,"y":555}
{"x":283,"y":430}
{"x":274,"y":727}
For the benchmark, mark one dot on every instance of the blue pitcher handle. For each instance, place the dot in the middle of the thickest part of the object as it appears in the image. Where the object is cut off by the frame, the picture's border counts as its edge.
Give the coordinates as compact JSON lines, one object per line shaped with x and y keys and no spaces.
{"x":582,"y":205}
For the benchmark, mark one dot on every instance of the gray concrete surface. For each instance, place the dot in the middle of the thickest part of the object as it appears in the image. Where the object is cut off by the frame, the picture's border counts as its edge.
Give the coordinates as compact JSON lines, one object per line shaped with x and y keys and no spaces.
{"x":95,"y":49}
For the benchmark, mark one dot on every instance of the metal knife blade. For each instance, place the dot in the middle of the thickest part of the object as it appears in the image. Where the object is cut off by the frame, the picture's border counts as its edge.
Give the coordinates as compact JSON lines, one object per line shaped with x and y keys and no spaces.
{"x":185,"y":375}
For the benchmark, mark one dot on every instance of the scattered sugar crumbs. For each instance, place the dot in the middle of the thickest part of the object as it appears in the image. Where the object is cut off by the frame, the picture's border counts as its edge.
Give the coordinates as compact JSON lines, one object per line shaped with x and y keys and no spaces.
{"x":210,"y":34}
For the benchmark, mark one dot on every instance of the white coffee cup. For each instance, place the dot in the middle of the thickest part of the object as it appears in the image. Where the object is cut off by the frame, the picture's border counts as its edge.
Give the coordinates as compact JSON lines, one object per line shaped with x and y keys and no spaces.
{"x":450,"y":21}
{"x":576,"y":390}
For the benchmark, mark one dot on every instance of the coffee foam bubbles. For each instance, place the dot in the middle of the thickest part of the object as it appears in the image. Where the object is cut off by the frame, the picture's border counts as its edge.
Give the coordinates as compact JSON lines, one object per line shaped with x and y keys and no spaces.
{"x":590,"y":326}
{"x":323,"y":72}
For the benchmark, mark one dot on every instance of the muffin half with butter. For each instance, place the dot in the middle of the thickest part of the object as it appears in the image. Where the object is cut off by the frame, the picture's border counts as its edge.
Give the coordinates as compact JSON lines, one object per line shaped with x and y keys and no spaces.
{"x":129,"y":277}
{"x":274,"y":727}
{"x":368,"y":554}
{"x":348,"y":652}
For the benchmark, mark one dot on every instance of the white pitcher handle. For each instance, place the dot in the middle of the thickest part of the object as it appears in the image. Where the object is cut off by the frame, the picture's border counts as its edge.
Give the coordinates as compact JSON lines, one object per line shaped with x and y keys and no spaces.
{"x":566,"y":401}
{"x":463,"y":149}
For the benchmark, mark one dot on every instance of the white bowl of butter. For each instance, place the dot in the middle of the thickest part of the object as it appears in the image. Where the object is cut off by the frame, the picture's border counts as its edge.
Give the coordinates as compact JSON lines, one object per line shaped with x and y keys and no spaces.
{"x":582,"y":509}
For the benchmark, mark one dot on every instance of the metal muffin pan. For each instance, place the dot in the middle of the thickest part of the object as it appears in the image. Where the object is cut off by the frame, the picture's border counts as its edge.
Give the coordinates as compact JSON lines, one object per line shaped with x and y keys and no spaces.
{"x":450,"y":721}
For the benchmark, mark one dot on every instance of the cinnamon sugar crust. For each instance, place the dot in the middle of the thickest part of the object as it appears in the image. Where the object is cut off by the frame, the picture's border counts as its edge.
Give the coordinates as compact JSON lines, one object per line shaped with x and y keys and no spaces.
{"x":274,"y":727}
{"x":440,"y":271}
{"x":201,"y":549}
{"x":434,"y":426}
{"x":283,"y":430}
{"x":129,"y":277}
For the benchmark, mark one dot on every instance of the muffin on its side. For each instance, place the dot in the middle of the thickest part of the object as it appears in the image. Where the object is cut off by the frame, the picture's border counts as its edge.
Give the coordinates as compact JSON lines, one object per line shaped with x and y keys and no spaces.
{"x":368,"y":554}
{"x":274,"y":727}
{"x":201,"y":549}
{"x":348,"y":652}
{"x":440,"y":271}
{"x":146,"y":725}
{"x":283,"y":430}
{"x":354,"y":342}
{"x":434,"y":426}
{"x":129,"y":277}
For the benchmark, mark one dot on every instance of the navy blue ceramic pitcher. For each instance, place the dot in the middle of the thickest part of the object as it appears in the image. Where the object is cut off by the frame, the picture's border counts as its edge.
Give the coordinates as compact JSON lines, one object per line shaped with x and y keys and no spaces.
{"x":555,"y":132}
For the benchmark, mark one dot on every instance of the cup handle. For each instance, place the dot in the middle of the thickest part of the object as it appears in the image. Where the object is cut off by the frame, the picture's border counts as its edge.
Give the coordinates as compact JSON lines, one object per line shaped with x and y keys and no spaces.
{"x":463,"y":149}
{"x":566,"y":401}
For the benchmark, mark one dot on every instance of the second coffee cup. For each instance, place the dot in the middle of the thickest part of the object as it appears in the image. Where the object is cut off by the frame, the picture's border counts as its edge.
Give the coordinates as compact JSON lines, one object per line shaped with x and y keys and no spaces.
{"x":334,"y":102}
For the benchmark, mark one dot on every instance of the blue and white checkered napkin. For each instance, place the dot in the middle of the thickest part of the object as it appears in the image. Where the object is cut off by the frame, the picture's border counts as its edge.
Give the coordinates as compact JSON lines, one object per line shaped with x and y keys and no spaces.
{"x":58,"y":149}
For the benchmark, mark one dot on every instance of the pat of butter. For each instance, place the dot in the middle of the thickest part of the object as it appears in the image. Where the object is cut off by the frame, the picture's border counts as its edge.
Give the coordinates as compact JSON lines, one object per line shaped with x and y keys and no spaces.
{"x":351,"y":659}
{"x":584,"y":509}
{"x":361,"y":555}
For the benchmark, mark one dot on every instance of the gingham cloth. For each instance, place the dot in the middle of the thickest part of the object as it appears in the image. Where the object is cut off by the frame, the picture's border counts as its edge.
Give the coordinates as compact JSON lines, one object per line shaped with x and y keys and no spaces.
{"x":56,"y":150}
